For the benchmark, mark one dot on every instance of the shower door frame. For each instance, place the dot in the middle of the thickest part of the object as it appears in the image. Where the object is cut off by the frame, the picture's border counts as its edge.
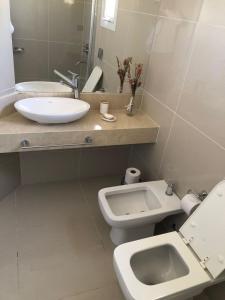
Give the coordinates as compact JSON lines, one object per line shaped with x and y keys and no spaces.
{"x":90,"y":59}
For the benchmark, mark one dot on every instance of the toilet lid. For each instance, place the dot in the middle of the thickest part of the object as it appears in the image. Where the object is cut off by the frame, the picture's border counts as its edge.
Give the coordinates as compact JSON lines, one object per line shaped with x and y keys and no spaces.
{"x":205,"y":231}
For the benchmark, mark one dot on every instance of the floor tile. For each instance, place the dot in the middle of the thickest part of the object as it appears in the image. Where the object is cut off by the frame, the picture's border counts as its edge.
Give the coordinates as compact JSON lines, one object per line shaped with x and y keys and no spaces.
{"x":110,"y":292}
{"x":55,"y":244}
{"x":62,"y":240}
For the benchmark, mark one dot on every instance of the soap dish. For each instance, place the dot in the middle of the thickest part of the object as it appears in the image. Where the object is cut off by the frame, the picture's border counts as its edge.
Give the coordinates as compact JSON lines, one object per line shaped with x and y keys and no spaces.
{"x":109,"y":120}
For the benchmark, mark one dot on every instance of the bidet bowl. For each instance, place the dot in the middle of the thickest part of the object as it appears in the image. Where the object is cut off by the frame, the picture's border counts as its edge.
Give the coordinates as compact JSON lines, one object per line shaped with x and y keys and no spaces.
{"x":133,"y":210}
{"x":137,"y":204}
{"x":52,"y":110}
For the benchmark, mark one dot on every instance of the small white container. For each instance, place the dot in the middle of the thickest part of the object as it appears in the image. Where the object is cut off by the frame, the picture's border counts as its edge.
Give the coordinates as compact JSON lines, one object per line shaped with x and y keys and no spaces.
{"x":104,"y":107}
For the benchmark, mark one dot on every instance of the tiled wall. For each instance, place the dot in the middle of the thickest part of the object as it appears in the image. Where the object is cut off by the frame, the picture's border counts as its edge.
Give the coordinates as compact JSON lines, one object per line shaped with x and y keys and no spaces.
{"x":52,"y":33}
{"x":133,"y":37}
{"x":185,"y":93}
{"x":9,"y":163}
{"x":74,"y":164}
{"x":181,"y":44}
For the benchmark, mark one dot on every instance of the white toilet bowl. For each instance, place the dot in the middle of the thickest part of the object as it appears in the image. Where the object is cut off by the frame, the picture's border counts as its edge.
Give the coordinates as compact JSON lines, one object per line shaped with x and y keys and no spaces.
{"x":160,"y":267}
{"x":177,"y":266}
{"x":133,"y":210}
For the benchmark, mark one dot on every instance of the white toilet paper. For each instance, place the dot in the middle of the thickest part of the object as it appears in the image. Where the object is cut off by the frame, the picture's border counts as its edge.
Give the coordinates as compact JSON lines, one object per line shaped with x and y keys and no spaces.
{"x":133,"y":175}
{"x":189,"y":203}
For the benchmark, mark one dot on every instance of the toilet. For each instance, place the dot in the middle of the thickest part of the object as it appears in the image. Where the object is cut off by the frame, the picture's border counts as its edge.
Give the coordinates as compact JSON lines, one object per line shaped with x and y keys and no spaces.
{"x":177,"y":265}
{"x":133,"y":210}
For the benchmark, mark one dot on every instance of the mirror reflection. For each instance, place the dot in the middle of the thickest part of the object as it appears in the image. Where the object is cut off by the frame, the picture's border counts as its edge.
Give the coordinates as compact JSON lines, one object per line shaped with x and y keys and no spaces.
{"x":51,"y":35}
{"x":77,"y":43}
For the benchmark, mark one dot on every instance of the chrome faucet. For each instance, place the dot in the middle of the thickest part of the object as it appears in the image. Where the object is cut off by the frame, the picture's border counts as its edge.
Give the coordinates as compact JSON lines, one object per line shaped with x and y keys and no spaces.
{"x":170,"y":189}
{"x":73,"y":82}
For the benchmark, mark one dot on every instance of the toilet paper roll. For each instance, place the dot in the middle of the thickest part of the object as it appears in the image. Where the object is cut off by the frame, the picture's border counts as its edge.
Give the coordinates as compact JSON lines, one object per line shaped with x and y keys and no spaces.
{"x":189,"y":203}
{"x":133,"y":175}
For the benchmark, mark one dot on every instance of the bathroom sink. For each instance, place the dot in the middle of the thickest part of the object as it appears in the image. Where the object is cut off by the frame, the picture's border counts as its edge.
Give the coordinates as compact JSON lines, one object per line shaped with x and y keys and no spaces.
{"x":42,"y":87}
{"x":52,"y":110}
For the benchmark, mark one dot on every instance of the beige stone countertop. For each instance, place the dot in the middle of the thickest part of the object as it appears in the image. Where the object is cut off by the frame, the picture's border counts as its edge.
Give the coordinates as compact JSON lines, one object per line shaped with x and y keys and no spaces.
{"x":137,"y":129}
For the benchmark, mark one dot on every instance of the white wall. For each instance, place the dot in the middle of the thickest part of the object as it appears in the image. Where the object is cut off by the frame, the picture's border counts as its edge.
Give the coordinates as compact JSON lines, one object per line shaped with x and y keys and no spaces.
{"x":9,"y":163}
{"x":7,"y":80}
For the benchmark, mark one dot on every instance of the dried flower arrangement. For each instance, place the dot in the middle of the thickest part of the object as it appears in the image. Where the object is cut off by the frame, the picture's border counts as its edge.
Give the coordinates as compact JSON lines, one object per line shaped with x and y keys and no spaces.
{"x":123,"y":69}
{"x":135,"y":81}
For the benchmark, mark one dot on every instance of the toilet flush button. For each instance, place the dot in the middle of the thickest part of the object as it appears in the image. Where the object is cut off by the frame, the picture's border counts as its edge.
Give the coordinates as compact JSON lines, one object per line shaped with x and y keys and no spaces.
{"x":221,"y":259}
{"x":220,"y":194}
{"x":193,"y":224}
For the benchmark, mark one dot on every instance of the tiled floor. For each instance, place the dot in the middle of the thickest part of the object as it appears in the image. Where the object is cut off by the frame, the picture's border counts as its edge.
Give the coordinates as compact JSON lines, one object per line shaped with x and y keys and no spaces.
{"x":55,"y":244}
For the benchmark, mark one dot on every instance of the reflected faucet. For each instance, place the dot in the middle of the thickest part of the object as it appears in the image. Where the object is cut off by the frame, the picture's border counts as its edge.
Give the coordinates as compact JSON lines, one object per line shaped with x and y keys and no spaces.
{"x":73,"y":83}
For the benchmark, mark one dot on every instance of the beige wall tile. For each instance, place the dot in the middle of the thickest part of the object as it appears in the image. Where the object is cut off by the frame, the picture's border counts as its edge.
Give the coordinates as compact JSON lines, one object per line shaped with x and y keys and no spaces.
{"x":63,"y":57}
{"x":116,"y":101}
{"x":87,"y":20}
{"x":139,"y":37}
{"x":169,"y":59}
{"x":63,"y":165}
{"x":152,"y":154}
{"x":30,"y":18}
{"x":182,"y":9}
{"x":48,"y":166}
{"x":64,"y":21}
{"x":203,"y":97}
{"x":145,"y":6}
{"x":192,"y":161}
{"x":139,"y":161}
{"x":110,"y":80}
{"x":9,"y":173}
{"x":213,"y":12}
{"x":33,"y":63}
{"x":52,"y":33}
{"x":114,"y":42}
{"x":104,"y":161}
{"x":133,"y":37}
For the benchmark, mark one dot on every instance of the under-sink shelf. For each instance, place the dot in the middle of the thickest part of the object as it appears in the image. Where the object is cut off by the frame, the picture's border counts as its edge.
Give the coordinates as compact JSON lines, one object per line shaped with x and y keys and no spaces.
{"x":19,"y":134}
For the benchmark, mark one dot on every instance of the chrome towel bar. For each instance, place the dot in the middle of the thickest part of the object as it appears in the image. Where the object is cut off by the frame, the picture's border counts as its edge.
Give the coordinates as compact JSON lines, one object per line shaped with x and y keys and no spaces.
{"x":26,"y":145}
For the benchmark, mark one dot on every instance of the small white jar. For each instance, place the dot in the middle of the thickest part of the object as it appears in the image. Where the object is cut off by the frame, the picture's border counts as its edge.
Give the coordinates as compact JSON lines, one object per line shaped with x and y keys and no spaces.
{"x":104,"y":107}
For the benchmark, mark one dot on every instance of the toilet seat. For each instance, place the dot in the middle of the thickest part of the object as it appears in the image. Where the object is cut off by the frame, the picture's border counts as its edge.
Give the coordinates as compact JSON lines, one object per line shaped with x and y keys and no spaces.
{"x":197,"y":278}
{"x":198,"y":243}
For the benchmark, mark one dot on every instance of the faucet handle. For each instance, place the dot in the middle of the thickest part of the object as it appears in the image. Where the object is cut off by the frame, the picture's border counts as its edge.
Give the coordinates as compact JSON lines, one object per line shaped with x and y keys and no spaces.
{"x":75,"y":75}
{"x":170,"y":189}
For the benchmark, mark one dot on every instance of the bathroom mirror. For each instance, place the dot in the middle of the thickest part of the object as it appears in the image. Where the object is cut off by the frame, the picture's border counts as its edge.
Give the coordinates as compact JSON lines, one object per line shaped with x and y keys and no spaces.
{"x":77,"y":36}
{"x":49,"y":35}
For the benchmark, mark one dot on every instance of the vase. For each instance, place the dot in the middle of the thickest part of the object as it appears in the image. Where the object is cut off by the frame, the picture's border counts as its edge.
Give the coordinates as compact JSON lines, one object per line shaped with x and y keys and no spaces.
{"x":130,"y":108}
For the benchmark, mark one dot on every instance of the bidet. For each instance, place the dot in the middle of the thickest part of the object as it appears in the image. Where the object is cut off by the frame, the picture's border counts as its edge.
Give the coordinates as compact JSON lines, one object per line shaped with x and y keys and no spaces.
{"x":133,"y":210}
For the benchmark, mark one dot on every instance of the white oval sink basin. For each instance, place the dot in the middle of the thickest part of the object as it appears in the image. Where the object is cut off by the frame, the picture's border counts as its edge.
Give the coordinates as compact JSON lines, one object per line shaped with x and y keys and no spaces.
{"x":42,"y":87}
{"x":52,"y":110}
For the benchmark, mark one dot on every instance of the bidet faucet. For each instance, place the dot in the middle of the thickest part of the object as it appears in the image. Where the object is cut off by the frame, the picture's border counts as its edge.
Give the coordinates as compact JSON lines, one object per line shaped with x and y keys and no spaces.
{"x":170,"y":189}
{"x":73,"y":83}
